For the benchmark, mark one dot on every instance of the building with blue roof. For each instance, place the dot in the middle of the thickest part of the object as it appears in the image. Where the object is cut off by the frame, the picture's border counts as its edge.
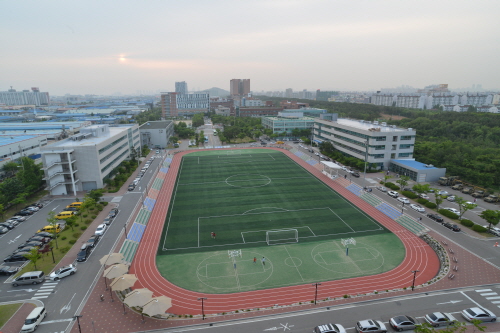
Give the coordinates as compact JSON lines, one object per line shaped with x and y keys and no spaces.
{"x":417,"y":171}
{"x":12,"y":147}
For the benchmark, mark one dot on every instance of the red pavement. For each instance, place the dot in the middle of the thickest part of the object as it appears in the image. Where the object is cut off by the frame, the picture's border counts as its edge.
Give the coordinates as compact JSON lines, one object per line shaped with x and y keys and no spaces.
{"x":108,"y":316}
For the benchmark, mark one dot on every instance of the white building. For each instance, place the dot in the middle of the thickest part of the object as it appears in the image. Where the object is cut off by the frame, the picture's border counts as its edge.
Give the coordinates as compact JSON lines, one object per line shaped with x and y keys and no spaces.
{"x":13,"y":147}
{"x":156,"y":134}
{"x":356,"y":138}
{"x":25,"y":97}
{"x":83,"y":161}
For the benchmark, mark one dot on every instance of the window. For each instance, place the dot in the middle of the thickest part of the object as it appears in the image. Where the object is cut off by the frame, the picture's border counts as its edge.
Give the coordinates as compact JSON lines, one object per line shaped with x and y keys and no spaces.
{"x":405,"y":146}
{"x":395,"y":138}
{"x":404,"y":155}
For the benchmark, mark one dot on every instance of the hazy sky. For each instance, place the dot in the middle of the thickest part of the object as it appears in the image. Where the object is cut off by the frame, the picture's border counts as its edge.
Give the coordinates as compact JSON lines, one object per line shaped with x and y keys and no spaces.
{"x":105,"y":46}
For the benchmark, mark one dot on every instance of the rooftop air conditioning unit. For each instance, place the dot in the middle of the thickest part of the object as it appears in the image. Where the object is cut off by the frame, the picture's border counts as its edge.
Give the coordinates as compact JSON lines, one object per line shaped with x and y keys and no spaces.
{"x":384,"y":124}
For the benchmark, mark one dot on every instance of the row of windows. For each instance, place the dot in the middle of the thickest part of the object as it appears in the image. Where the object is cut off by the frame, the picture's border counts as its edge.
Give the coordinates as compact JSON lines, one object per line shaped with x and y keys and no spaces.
{"x":113,"y":162}
{"x":104,"y":159}
{"x":136,"y":130}
{"x":406,"y":137}
{"x":117,"y":141}
{"x":405,"y":146}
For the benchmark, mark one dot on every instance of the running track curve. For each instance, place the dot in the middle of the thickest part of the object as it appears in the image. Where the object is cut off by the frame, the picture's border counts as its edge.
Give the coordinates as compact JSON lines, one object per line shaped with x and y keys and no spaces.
{"x":419,"y":256}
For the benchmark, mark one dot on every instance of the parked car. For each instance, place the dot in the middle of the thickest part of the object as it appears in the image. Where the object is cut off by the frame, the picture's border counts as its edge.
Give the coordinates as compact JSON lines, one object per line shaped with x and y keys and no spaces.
{"x":84,"y":253}
{"x":403,"y":323}
{"x":62,"y":272}
{"x":479,"y":313}
{"x":447,"y":225}
{"x":8,"y":270}
{"x":453,"y":210}
{"x":356,"y":174}
{"x":45,"y":234}
{"x":113,"y":212}
{"x":435,"y":217}
{"x":372,"y":326}
{"x":451,"y":198}
{"x":107,"y":220}
{"x":18,"y":218}
{"x":404,"y":200}
{"x":3,"y":230}
{"x":381,"y":188}
{"x":31,"y":243}
{"x":101,"y":228}
{"x":443,"y":193}
{"x":424,"y":196}
{"x":329,"y":328}
{"x":8,"y":225}
{"x":437,"y":319}
{"x":393,"y":194}
{"x":26,"y":249}
{"x":455,"y":228}
{"x":93,"y":240}
{"x":418,"y":208}
{"x":19,"y":256}
{"x":39,"y":239}
{"x":24,"y":213}
{"x":131,"y":187}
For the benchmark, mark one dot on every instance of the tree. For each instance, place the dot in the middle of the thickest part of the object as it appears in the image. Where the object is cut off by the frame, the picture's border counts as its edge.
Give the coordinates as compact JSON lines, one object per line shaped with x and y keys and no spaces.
{"x":95,"y":194}
{"x":20,"y":199}
{"x":174,"y":139}
{"x":463,"y":206}
{"x":491,"y":216}
{"x":53,"y":222}
{"x":403,"y":181}
{"x":421,"y":188}
{"x":30,"y":175}
{"x":2,"y":211}
{"x":33,"y":256}
{"x":70,"y":222}
{"x":10,"y":168}
{"x":437,"y":198}
{"x":10,"y":188}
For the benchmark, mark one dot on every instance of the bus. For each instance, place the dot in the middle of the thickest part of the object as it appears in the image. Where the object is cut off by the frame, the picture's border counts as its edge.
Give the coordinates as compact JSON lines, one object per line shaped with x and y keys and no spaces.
{"x":215,"y":132}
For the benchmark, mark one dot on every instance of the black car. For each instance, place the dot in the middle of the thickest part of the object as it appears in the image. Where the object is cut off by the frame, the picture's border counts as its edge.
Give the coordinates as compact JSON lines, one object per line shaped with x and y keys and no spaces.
{"x":131,"y":187}
{"x":355,"y":174}
{"x":25,"y":249}
{"x":84,"y":252}
{"x":455,"y":228}
{"x":435,"y":217}
{"x":9,"y":226}
{"x":8,"y":270}
{"x":39,"y":239}
{"x":24,"y":213}
{"x":19,"y":256}
{"x":3,"y":230}
{"x":45,"y":234}
{"x":113,"y":212}
{"x":30,"y":243}
{"x":447,"y":225}
{"x":93,"y":240}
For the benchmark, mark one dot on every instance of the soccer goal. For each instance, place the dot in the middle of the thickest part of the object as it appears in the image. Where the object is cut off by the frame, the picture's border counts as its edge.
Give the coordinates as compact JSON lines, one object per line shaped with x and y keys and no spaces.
{"x":282,"y":236}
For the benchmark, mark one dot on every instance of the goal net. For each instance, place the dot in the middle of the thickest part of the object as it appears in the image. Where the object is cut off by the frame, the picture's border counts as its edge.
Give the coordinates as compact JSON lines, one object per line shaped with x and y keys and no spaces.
{"x":282,"y":236}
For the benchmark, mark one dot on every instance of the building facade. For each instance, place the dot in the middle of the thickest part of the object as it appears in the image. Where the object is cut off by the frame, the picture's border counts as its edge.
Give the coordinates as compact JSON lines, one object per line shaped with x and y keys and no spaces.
{"x":239,"y":87}
{"x":379,"y":142}
{"x":25,"y":97}
{"x":83,"y":161}
{"x":174,"y":104}
{"x":156,"y":134}
{"x":181,"y":87}
{"x":258,"y":111}
{"x":287,"y":122}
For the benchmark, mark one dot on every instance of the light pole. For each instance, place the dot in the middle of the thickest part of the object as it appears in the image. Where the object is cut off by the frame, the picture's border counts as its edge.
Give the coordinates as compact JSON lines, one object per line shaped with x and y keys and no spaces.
{"x":202,"y":299}
{"x":316,"y":292}
{"x":414,"y":277}
{"x":125,"y":228}
{"x":366,"y":158}
{"x":78,"y":321}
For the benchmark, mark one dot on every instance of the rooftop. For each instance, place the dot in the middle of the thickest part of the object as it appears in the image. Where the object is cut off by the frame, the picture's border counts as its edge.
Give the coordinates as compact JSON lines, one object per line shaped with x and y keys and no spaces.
{"x":155,"y":124}
{"x":92,"y":140}
{"x":10,"y":139}
{"x":367,"y":125}
{"x":415,"y":164}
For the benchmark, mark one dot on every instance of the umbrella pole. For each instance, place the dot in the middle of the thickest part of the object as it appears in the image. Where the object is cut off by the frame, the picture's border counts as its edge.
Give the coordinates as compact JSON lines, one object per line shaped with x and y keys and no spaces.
{"x":142,"y":314}
{"x":105,"y":282}
{"x":111,"y":294}
{"x":124,"y":312}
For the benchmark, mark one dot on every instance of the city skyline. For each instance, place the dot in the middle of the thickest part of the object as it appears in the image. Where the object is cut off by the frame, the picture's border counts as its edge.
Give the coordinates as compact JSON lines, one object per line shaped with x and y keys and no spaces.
{"x":65,"y":47}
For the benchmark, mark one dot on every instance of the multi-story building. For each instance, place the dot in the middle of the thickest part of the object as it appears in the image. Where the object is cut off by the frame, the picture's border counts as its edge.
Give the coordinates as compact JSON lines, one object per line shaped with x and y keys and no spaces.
{"x":287,"y":122}
{"x":156,"y":133}
{"x":257,"y":111}
{"x":25,"y":97}
{"x":174,"y":104}
{"x":356,"y":138}
{"x":325,"y":95}
{"x":293,"y":104}
{"x":13,"y":147}
{"x":239,"y":87}
{"x":83,"y":161}
{"x":181,"y":87}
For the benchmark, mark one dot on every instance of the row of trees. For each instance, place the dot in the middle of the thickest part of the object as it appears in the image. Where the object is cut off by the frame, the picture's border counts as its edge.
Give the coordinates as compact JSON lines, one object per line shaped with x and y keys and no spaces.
{"x":150,"y":115}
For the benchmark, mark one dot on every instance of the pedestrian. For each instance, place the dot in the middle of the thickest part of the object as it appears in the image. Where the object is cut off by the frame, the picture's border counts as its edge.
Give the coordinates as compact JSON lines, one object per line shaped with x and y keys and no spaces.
{"x":420,"y":218}
{"x":212,"y":234}
{"x":345,"y":176}
{"x":475,"y":199}
{"x":254,"y":260}
{"x":234,"y":265}
{"x":387,"y":173}
{"x":263,"y":261}
{"x":496,"y":244}
{"x":102,"y":298}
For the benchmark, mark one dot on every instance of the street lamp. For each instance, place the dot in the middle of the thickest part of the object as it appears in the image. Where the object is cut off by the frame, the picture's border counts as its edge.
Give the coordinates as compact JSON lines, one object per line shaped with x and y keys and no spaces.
{"x":78,"y":321}
{"x":366,"y":158}
{"x":316,"y":292}
{"x":202,"y":299}
{"x":414,"y":276}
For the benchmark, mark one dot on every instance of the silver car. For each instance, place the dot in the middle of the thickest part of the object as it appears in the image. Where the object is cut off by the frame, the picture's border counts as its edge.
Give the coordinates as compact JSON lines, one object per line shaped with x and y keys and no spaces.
{"x":403,"y":323}
{"x":370,"y":326}
{"x":437,"y":319}
{"x":479,"y":313}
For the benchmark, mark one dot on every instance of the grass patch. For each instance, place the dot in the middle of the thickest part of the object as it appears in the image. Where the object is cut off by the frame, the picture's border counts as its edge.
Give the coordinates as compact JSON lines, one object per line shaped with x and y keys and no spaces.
{"x":7,"y":311}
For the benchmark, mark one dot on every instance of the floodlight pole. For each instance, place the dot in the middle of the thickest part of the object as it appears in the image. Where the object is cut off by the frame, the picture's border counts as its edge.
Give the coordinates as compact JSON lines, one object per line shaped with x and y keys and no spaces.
{"x":202,"y":307}
{"x":316,"y":292}
{"x":414,"y":276}
{"x":366,"y":158}
{"x":78,"y":321}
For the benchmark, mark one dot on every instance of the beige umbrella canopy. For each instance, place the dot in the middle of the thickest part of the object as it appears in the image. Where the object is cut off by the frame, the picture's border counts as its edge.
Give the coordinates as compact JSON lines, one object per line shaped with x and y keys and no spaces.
{"x":157,"y":305}
{"x":123,"y":282}
{"x":138,"y":297}
{"x":110,"y":259}
{"x":115,"y":271}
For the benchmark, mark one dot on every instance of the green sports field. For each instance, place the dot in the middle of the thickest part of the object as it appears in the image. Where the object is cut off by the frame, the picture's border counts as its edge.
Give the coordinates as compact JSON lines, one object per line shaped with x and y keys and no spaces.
{"x":261,"y":202}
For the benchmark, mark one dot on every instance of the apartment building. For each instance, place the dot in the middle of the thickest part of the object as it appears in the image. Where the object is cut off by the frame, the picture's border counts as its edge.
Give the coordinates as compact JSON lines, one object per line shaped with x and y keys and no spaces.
{"x":156,"y":134}
{"x":25,"y":97}
{"x":175,"y":104}
{"x":83,"y":161}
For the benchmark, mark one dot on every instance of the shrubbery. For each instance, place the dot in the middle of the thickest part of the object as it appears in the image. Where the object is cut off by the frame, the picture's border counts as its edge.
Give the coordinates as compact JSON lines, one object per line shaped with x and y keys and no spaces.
{"x":410,"y":195}
{"x":467,"y":223}
{"x":72,"y":241}
{"x":430,"y":205}
{"x":83,"y":227}
{"x":447,"y":213}
{"x":422,"y":201}
{"x":392,"y":186}
{"x":479,"y":228}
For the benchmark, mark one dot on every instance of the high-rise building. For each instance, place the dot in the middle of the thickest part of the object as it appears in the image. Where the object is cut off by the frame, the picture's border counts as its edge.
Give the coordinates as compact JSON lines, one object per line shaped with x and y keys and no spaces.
{"x":25,"y":97}
{"x":239,"y":87}
{"x":174,"y":104}
{"x":181,"y":87}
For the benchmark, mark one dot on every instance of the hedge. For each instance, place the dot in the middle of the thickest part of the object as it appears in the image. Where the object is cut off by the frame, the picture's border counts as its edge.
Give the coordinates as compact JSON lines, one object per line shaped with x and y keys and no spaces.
{"x":447,"y":213}
{"x":479,"y":228}
{"x":430,"y":205}
{"x":467,"y":223}
{"x":392,"y":186}
{"x":409,"y":194}
{"x":422,"y":201}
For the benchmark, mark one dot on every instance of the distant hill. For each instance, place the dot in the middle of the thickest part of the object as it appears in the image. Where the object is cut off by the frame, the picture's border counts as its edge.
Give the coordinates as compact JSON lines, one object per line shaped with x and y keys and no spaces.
{"x":216,"y":92}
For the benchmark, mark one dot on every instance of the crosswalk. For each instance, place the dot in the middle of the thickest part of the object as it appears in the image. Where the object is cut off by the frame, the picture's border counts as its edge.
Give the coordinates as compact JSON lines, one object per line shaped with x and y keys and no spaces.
{"x":45,"y":290}
{"x":490,"y":295}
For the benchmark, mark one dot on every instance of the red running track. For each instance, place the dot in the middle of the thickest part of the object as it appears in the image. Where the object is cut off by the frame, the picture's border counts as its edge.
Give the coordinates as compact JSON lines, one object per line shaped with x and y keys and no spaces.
{"x":419,"y":256}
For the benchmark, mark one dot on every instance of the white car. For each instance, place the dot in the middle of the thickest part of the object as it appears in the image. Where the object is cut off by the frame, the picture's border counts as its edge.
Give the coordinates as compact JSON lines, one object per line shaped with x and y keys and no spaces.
{"x":451,"y":198}
{"x":479,"y":313}
{"x":437,"y":319}
{"x":468,"y":203}
{"x":404,"y":200}
{"x":424,"y":196}
{"x":62,"y":272}
{"x":453,"y":210}
{"x":101,"y":228}
{"x":443,"y":193}
{"x":418,"y":208}
{"x":329,"y":328}
{"x":381,"y":188}
{"x":370,"y":325}
{"x":393,"y":194}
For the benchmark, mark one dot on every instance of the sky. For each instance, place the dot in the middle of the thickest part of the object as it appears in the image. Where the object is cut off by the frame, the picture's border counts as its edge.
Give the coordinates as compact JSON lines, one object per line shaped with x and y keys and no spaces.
{"x":105,"y":47}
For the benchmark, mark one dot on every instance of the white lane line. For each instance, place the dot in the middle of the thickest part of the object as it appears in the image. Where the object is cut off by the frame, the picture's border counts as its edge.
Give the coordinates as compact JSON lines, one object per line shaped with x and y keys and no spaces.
{"x":497,"y":297}
{"x":470,"y":299}
{"x":39,"y":294}
{"x":488,"y":294}
{"x":482,"y":290}
{"x":39,"y":297}
{"x":495,"y":302}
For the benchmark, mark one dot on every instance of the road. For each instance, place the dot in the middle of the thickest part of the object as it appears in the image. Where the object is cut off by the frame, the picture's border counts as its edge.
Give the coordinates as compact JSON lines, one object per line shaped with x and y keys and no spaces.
{"x":63,"y":298}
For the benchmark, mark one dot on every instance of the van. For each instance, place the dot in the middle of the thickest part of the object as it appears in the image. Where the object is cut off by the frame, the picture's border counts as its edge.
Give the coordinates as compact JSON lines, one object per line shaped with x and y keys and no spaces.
{"x":50,"y":229}
{"x":75,"y":204}
{"x":34,"y":277}
{"x":64,"y":215}
{"x":34,"y":319}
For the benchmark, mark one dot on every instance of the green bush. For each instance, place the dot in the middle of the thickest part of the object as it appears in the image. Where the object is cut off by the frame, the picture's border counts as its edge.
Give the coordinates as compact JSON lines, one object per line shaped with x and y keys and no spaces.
{"x":104,"y":203}
{"x":392,"y":186}
{"x":83,"y":227}
{"x":88,"y":221}
{"x":447,"y":213}
{"x":93,"y":217}
{"x":479,"y":228}
{"x":389,"y":184}
{"x":63,"y":237}
{"x":77,"y":235}
{"x":410,"y":195}
{"x":98,"y":207}
{"x":72,"y":241}
{"x":422,"y":201}
{"x":85,"y":215}
{"x":430,"y":205}
{"x":65,"y":249}
{"x":467,"y":223}
{"x":76,"y":225}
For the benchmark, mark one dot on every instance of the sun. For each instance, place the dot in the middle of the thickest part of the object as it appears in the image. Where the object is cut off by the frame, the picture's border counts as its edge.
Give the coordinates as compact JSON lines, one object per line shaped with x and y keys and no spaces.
{"x":122,"y":58}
